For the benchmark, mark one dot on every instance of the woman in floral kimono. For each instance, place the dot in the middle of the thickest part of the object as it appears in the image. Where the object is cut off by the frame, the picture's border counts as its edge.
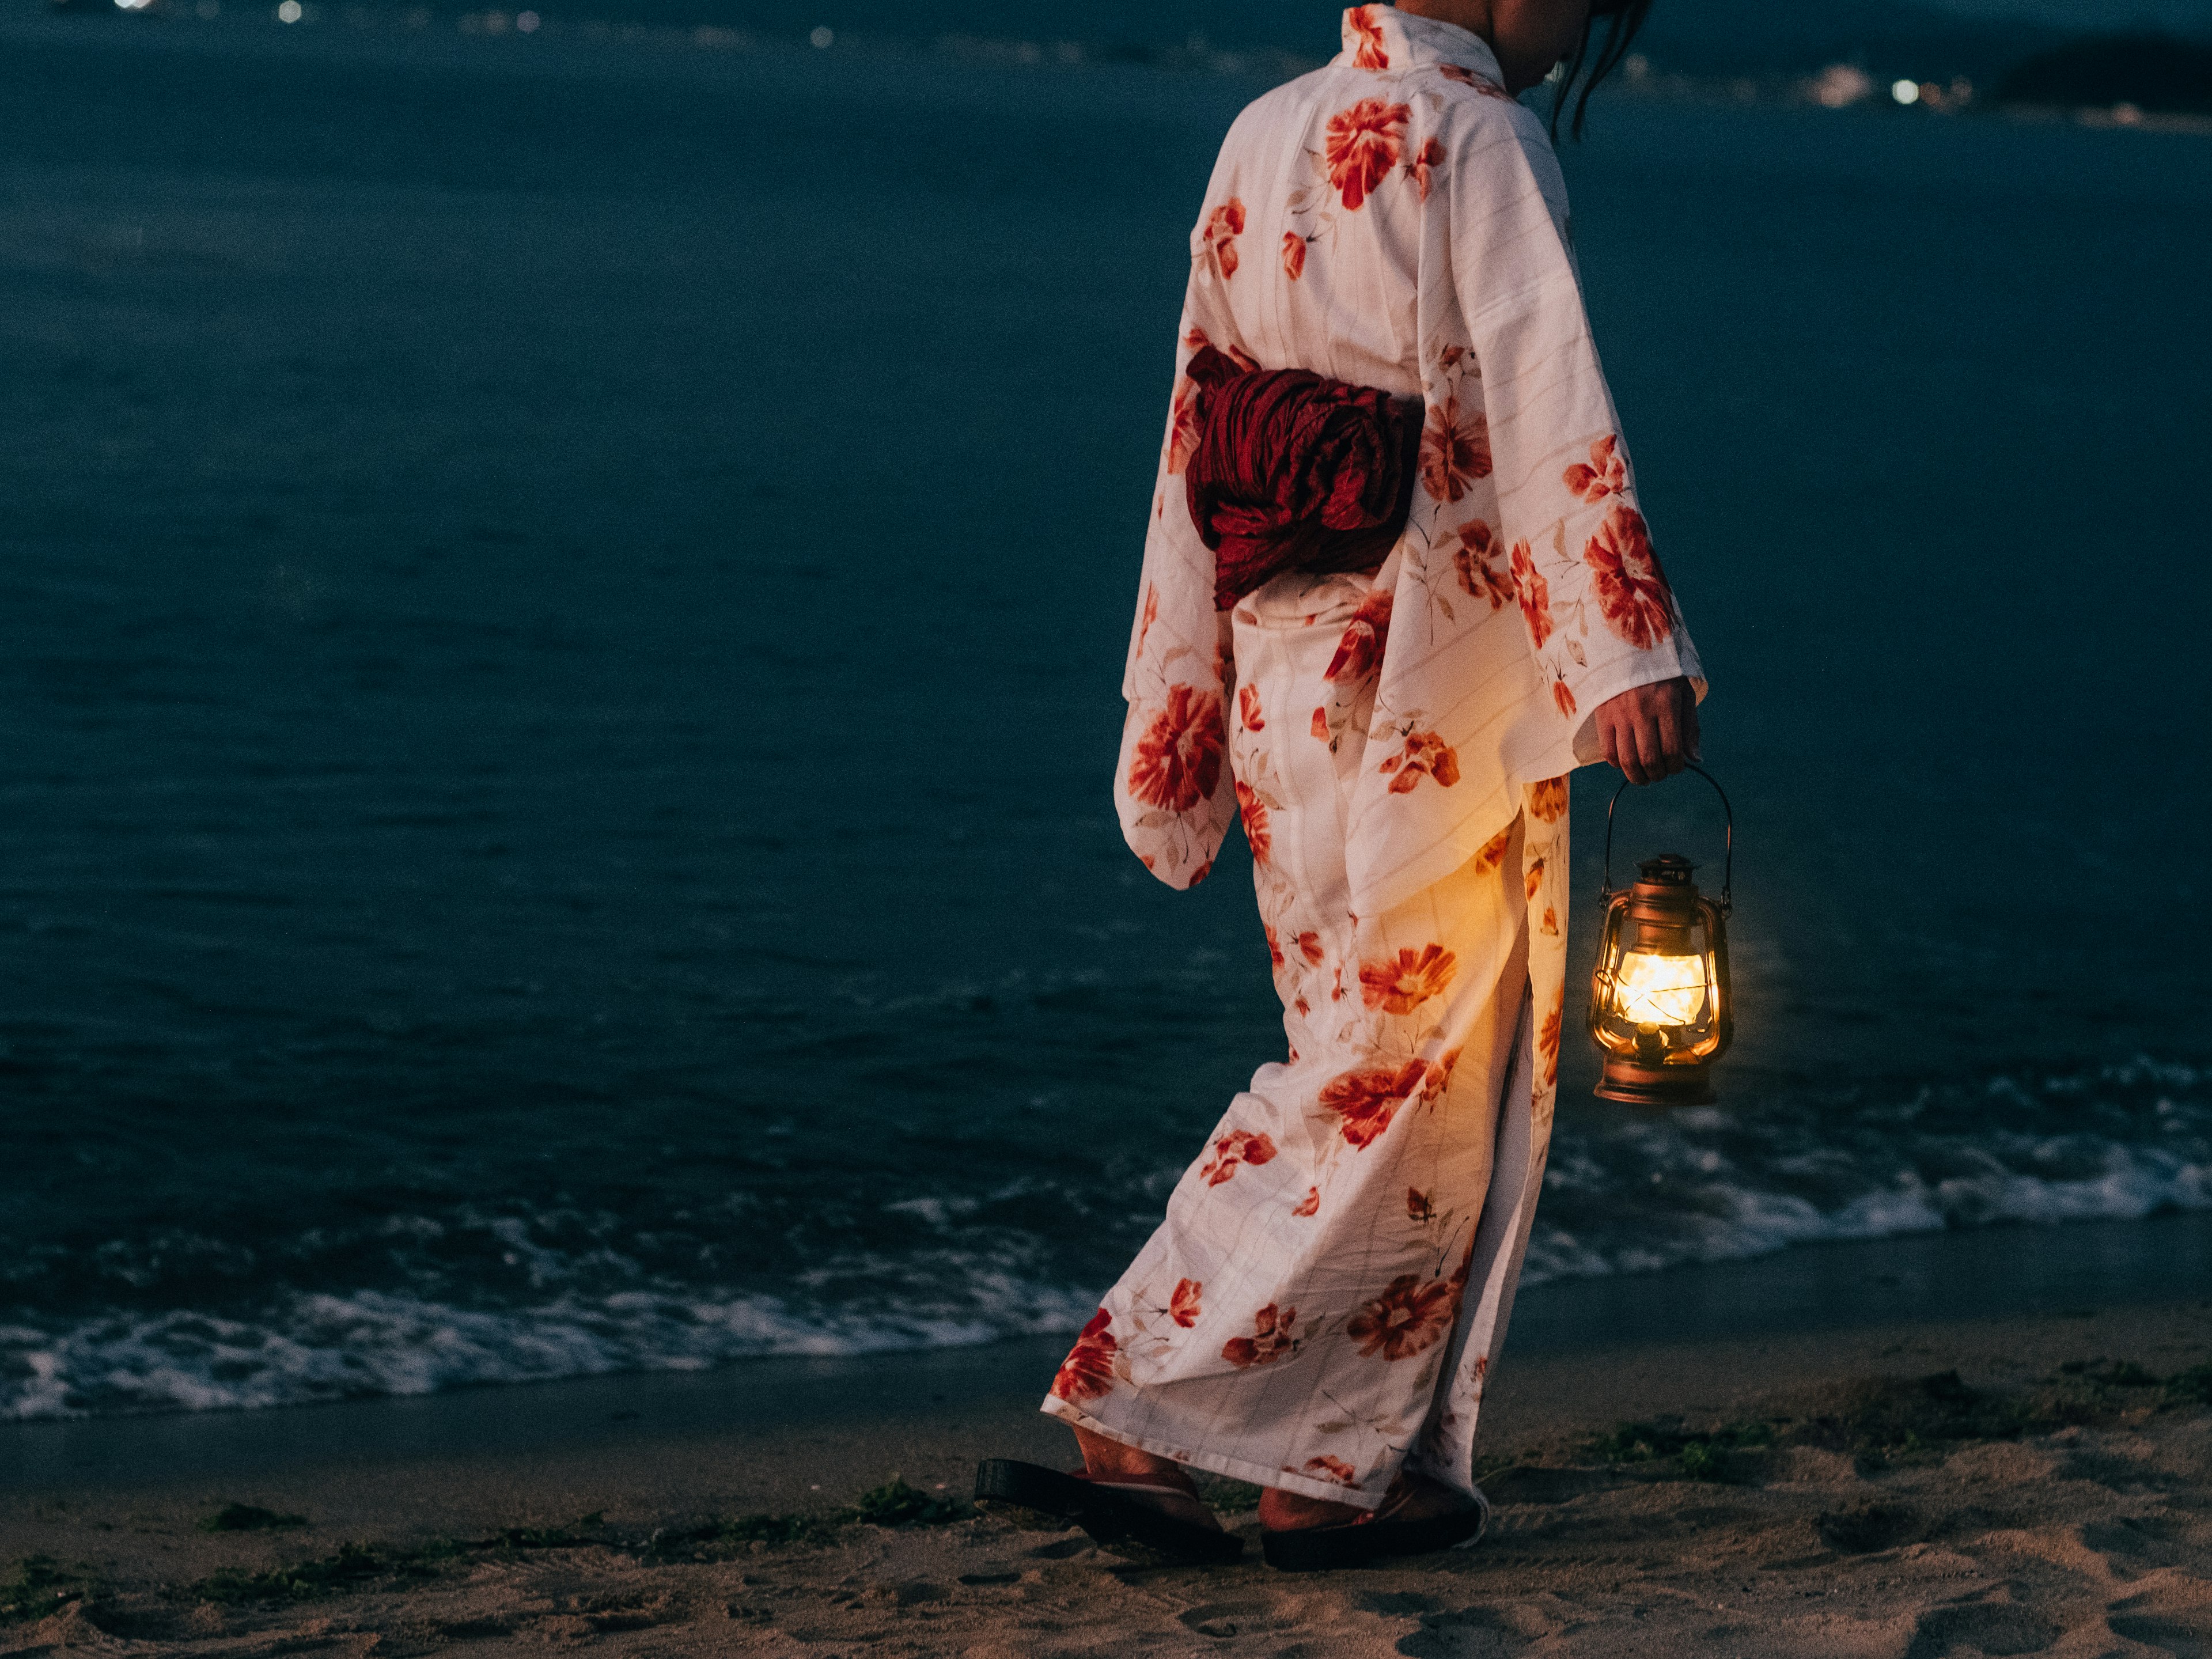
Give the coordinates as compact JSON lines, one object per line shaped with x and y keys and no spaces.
{"x":1320,"y":1309}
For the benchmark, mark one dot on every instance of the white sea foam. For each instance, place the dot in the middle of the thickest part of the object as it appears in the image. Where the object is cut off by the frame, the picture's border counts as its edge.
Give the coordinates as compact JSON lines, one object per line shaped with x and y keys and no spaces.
{"x":323,"y":1348}
{"x":1699,"y":1186}
{"x":1707,"y":1186}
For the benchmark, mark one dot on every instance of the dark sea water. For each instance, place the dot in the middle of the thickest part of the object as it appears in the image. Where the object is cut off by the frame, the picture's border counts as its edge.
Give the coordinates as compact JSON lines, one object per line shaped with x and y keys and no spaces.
{"x":561,"y":608}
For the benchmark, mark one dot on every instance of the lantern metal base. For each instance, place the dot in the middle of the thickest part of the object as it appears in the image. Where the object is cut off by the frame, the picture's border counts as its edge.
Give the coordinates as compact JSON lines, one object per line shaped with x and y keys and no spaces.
{"x":1655,"y":1085}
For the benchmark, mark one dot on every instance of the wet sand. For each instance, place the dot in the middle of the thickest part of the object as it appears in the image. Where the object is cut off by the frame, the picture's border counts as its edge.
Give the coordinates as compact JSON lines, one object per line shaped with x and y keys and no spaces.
{"x":2057,"y":1498}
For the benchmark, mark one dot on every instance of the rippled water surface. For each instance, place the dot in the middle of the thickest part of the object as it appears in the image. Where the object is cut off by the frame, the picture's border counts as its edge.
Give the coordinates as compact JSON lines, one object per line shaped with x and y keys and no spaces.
{"x":560,"y":617}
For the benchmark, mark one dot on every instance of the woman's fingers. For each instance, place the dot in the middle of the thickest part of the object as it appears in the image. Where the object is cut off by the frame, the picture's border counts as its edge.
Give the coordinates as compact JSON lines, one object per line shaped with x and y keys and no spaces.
{"x":1627,"y":753}
{"x":1609,"y":737}
{"x":1673,"y":751}
{"x":1648,"y":744}
{"x":1650,"y":732}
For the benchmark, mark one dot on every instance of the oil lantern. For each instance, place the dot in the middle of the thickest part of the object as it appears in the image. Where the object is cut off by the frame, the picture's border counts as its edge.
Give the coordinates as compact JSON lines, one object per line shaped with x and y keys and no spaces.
{"x":1660,"y":1010}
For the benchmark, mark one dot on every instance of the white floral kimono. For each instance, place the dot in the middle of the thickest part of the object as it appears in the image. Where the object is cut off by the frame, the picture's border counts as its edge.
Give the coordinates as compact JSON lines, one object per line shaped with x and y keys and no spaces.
{"x":1396,"y":746}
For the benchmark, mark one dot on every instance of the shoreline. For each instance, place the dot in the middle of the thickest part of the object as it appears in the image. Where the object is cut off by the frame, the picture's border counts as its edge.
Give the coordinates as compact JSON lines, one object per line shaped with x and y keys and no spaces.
{"x":1908,"y":1530}
{"x":800,"y":1433}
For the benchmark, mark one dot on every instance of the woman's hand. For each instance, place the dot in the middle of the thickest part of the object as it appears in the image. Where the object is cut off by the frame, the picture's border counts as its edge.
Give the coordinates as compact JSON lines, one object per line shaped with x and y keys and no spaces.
{"x":1650,"y":731}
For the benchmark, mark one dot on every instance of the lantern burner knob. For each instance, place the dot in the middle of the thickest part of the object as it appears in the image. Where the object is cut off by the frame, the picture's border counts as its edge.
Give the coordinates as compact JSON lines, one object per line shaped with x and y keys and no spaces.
{"x":1667,"y":870}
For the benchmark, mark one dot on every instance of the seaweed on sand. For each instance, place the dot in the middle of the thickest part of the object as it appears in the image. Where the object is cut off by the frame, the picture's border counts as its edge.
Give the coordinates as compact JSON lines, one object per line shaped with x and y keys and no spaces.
{"x":1879,"y":1421}
{"x":249,"y":1517}
{"x":357,"y":1565}
{"x":40,"y":1586}
{"x":894,"y":1503}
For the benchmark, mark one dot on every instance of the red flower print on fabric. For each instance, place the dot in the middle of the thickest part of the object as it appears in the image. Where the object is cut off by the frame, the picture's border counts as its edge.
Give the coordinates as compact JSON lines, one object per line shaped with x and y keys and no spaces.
{"x":1533,"y":878}
{"x":1440,"y":1074}
{"x":1219,"y":244}
{"x":1548,"y":799}
{"x":1183,"y":1306}
{"x":1327,"y":1468}
{"x":1372,"y":54}
{"x":1310,"y":944}
{"x":1493,"y":852}
{"x":1321,"y":724}
{"x":1178,"y":760}
{"x":1426,"y":160}
{"x":1254,"y":811}
{"x":1270,"y":1341}
{"x":1364,"y":638}
{"x":1478,"y":576}
{"x":1426,"y":756}
{"x":1467,"y":77}
{"x":1400,"y":985}
{"x":1182,"y":425}
{"x":1294,"y":255}
{"x":1088,"y":1370}
{"x":1367,"y":1101}
{"x":1417,"y":1207}
{"x":1248,"y":705}
{"x":1632,"y":588}
{"x":1534,"y":592}
{"x":1274,"y":945}
{"x":1562,"y":695}
{"x":1605,"y":475}
{"x":1361,"y":146}
{"x":1409,"y":1317}
{"x":1235,"y":1148}
{"x":1151,"y":614}
{"x":1454,"y":450}
{"x":1312,"y":1203}
{"x":1548,"y":1039}
{"x":1196,"y":341}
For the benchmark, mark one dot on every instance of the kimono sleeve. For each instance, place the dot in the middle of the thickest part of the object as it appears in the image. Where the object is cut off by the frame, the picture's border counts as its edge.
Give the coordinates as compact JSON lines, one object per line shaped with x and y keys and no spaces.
{"x":1173,"y":789}
{"x":1600,"y":614}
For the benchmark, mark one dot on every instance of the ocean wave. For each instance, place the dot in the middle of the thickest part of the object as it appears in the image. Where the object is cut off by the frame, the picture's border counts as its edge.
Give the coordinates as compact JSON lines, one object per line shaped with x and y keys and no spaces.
{"x":552,"y":1295}
{"x":321,"y":1347}
{"x":1712,"y":1185}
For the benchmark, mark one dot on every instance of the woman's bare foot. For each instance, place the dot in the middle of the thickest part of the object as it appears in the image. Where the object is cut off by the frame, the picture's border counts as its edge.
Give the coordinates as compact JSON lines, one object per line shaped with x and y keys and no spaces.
{"x":1411,"y":1497}
{"x":1111,"y":1463}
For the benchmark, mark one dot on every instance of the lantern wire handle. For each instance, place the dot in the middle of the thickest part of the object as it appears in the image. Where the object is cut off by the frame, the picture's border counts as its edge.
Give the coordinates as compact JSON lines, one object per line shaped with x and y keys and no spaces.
{"x":1727,"y":870}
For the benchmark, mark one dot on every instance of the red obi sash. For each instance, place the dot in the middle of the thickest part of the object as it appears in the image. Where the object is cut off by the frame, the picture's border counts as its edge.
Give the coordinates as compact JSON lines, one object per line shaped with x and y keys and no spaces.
{"x":1294,"y":471}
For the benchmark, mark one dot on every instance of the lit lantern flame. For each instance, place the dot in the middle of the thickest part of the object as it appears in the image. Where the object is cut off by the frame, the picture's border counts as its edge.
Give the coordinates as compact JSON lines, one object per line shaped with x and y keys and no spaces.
{"x":1651,"y":991}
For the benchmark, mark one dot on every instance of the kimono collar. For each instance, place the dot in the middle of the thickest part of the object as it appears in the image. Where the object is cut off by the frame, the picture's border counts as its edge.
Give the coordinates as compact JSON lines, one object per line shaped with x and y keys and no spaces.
{"x":1384,"y":38}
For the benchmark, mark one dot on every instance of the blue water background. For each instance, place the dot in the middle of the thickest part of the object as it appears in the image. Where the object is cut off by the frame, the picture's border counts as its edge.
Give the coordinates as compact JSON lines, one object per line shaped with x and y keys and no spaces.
{"x":561,"y":608}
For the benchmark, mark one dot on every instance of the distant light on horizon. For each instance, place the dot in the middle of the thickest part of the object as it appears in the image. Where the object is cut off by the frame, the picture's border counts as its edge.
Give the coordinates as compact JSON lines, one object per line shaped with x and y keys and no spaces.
{"x":291,"y":11}
{"x":1841,"y":85}
{"x":823,"y":37}
{"x":527,"y":21}
{"x":1905,"y":92}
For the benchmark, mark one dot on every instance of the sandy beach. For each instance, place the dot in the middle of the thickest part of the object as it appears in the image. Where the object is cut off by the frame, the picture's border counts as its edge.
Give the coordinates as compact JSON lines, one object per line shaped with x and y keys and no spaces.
{"x":2029,"y":1484}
